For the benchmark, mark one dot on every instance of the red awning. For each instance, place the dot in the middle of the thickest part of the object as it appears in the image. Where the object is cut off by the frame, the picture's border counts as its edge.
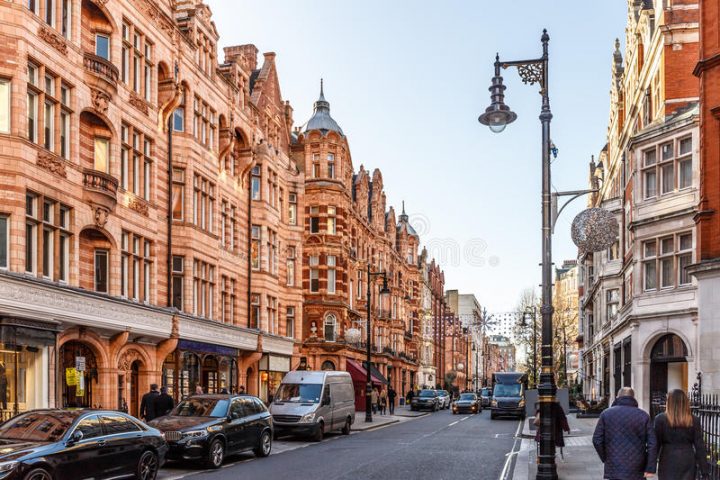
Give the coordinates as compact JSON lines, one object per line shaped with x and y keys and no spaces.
{"x":359,"y":374}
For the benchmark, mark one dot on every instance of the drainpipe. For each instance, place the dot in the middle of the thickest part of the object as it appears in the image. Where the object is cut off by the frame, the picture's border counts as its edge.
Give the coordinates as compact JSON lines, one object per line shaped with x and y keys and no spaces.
{"x":170,"y":214}
{"x":249,"y":289}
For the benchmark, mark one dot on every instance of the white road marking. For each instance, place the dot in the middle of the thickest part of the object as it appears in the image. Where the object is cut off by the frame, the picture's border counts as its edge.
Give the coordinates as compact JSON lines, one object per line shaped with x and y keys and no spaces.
{"x":508,"y":461}
{"x":454,"y":423}
{"x":463,"y":419}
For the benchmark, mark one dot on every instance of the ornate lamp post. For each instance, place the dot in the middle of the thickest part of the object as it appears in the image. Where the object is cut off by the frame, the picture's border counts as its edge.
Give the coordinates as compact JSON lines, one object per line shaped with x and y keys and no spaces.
{"x":384,"y":291}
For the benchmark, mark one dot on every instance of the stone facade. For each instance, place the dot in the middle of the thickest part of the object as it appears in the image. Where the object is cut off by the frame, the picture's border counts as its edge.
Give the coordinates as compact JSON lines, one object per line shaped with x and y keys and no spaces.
{"x":468,"y":311}
{"x":638,"y":304}
{"x":133,"y":268}
{"x":433,"y":281}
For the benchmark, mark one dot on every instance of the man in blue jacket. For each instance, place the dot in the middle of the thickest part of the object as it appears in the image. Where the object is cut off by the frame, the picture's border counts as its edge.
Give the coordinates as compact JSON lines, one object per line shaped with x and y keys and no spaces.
{"x":624,"y":439}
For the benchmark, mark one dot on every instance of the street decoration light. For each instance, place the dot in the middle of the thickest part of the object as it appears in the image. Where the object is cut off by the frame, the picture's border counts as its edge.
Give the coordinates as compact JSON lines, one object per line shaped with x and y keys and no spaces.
{"x":497,"y":116}
{"x":383,"y":291}
{"x":353,"y":335}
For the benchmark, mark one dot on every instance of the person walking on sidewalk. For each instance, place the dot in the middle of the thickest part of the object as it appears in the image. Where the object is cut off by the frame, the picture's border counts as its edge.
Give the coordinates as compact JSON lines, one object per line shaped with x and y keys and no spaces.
{"x":680,"y":446}
{"x":560,"y":423}
{"x":383,"y":402}
{"x":391,"y":399}
{"x":625,"y":441}
{"x":374,"y":400}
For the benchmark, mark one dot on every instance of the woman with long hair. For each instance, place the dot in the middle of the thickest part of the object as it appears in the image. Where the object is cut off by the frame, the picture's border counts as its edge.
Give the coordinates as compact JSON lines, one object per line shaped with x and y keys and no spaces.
{"x":681,"y":449}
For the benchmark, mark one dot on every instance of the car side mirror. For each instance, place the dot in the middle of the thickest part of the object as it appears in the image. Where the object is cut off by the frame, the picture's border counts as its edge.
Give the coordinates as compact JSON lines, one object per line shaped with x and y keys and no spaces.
{"x":76,"y":437}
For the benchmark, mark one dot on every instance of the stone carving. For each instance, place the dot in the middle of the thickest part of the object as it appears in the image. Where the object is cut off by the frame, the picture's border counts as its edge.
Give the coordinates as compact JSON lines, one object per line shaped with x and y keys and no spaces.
{"x":126,"y":359}
{"x":101,"y":215}
{"x":159,"y":18}
{"x":139,"y":205}
{"x":55,"y":40}
{"x":52,"y":164}
{"x":138,"y":103}
{"x":100,"y":100}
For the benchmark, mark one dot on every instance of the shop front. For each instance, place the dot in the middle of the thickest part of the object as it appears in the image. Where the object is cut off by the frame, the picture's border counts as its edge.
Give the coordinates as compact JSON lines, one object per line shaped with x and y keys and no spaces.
{"x":27,"y":356}
{"x":358,"y":373}
{"x":272,"y":369}
{"x":213,"y":368}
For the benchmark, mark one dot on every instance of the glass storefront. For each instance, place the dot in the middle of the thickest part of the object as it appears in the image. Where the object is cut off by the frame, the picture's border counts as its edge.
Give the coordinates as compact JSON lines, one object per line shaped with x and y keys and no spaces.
{"x":272,"y":370}
{"x":27,"y":356}
{"x":193,"y":364}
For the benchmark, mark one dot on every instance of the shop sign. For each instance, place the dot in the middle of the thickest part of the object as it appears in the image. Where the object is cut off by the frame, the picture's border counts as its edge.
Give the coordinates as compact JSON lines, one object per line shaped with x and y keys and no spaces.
{"x":80,"y":364}
{"x":274,"y":363}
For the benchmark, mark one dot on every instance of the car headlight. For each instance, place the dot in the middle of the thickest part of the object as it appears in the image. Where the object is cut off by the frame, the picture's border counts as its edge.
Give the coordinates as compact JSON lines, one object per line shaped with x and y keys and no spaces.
{"x":494,"y":403}
{"x":7,"y":466}
{"x":309,"y":418}
{"x":214,"y":428}
{"x":195,"y":433}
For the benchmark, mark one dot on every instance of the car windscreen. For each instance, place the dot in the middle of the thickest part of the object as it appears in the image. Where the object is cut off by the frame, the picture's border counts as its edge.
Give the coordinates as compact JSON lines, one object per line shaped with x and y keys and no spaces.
{"x":38,"y":426}
{"x":507,"y":390}
{"x":467,"y":396}
{"x":428,"y":393}
{"x":202,"y":407}
{"x":299,"y":393}
{"x":485,"y":392}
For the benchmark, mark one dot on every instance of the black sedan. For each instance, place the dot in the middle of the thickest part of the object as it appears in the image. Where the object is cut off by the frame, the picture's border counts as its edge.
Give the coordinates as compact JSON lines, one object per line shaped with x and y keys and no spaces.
{"x":68,"y":445}
{"x":467,"y":403}
{"x":209,"y":427}
{"x":426,"y":399}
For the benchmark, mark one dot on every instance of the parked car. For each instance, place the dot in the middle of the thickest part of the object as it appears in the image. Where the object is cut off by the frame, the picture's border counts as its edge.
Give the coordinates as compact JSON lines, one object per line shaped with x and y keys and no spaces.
{"x":426,"y":400}
{"x":467,"y":403}
{"x":486,"y":396}
{"x":210,"y":427}
{"x":444,"y":399}
{"x":314,"y":403}
{"x":508,"y":395}
{"x":55,"y":444}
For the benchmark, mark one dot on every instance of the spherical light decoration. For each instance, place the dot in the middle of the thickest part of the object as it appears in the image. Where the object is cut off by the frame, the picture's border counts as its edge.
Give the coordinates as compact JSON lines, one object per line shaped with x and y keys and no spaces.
{"x":352,"y":335}
{"x":460,"y":366}
{"x":594,"y":230}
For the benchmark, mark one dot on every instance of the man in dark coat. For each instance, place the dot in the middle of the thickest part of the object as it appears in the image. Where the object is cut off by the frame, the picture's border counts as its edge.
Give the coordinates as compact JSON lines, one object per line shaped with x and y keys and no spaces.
{"x":391,"y":394}
{"x":625,"y":440}
{"x":163,"y":403}
{"x":147,"y":404}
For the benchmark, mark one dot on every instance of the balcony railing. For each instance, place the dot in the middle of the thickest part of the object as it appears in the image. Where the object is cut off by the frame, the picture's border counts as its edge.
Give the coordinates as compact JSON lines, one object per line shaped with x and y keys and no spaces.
{"x":101,"y":67}
{"x":101,"y":184}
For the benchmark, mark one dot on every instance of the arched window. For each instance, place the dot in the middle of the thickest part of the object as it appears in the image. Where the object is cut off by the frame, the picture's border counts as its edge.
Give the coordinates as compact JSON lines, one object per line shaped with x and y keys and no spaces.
{"x":330,"y":327}
{"x":668,"y":348}
{"x":327,"y":365}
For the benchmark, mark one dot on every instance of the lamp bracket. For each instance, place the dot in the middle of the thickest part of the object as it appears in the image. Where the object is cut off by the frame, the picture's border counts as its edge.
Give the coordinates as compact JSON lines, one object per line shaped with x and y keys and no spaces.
{"x":530,"y":71}
{"x":574,"y":194}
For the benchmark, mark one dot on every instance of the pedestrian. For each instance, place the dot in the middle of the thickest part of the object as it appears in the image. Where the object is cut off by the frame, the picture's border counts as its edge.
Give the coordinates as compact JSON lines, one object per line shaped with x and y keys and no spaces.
{"x":241,"y":390}
{"x":374,"y":400}
{"x":624,"y":439}
{"x":560,"y":424}
{"x":198,"y":389}
{"x":163,"y":403}
{"x":680,"y":445}
{"x":224,"y":391}
{"x":383,"y":402}
{"x":147,"y":404}
{"x":391,"y":399}
{"x":410,"y":395}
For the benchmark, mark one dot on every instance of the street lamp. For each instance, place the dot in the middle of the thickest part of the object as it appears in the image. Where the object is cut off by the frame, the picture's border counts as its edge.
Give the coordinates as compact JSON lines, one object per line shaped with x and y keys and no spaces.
{"x":383,"y":291}
{"x":497,"y":116}
{"x":529,"y":315}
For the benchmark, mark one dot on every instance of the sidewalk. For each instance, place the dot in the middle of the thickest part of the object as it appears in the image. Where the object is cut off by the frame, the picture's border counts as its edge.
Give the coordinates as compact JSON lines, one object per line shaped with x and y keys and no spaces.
{"x":402,"y":414}
{"x":579,"y":460}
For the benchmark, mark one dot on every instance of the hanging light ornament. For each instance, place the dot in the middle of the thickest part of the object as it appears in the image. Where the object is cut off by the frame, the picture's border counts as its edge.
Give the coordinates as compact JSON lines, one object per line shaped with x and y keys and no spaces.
{"x":352,"y":335}
{"x":594,"y":230}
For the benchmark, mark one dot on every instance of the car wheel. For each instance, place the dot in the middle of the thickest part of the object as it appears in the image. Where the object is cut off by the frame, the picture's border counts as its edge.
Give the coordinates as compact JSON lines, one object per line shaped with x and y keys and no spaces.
{"x":264,"y":446}
{"x":216,"y":454}
{"x":38,"y":474}
{"x":147,"y":468}
{"x":319,"y":433}
{"x":346,"y":428}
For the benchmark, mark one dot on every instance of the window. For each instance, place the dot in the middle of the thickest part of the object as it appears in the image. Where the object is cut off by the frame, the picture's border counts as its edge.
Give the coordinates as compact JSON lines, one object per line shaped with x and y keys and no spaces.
{"x":51,"y":221}
{"x":613,"y":251}
{"x":254,"y":311}
{"x":49,"y":12}
{"x":331,"y":165}
{"x":331,"y":221}
{"x":685,"y":163}
{"x":203,"y":127}
{"x":32,"y":6}
{"x":179,"y":115}
{"x":291,"y":266}
{"x":330,"y":327}
{"x":313,"y":262}
{"x":650,"y":174}
{"x":331,"y":274}
{"x":101,"y":270}
{"x":292,"y":209}
{"x":272,"y":246}
{"x":30,"y":232}
{"x":102,"y":46}
{"x":66,"y":20}
{"x":650,"y":265}
{"x":665,"y":260}
{"x":178,"y":264}
{"x":178,"y":202}
{"x":255,"y":182}
{"x":667,"y":273}
{"x":203,"y":288}
{"x":203,"y":203}
{"x":32,"y":103}
{"x":672,"y":171}
{"x":4,"y":105}
{"x":90,"y":427}
{"x":272,"y":188}
{"x":612,"y":301}
{"x":272,"y":314}
{"x":684,"y":258}
{"x":290,"y":322}
{"x":102,"y":154}
{"x":228,"y":300}
{"x":135,"y":161}
{"x":4,"y":241}
{"x":314,"y":220}
{"x":135,"y":267}
{"x":255,"y":247}
{"x":115,"y":424}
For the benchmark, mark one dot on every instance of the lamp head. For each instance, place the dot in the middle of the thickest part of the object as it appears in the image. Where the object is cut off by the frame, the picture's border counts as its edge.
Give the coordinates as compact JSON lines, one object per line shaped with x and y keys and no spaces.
{"x":385,"y":290}
{"x":498,"y":115}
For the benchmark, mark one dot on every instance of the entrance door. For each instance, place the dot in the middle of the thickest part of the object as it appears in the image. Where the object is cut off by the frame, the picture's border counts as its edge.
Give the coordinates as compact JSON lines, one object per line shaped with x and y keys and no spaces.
{"x":134,"y":389}
{"x":658,"y":387}
{"x":668,"y":370}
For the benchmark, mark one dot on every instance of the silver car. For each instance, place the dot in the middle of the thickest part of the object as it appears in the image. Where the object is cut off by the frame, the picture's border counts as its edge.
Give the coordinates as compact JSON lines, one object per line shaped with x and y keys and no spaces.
{"x":443,"y":399}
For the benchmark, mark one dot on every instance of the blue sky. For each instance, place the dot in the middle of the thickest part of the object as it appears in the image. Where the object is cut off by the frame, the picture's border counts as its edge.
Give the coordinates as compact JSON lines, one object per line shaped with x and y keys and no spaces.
{"x":407,"y":80}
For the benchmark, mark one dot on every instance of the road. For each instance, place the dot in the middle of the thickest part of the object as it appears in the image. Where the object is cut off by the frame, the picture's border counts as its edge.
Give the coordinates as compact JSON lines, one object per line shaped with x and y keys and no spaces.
{"x":440,"y":446}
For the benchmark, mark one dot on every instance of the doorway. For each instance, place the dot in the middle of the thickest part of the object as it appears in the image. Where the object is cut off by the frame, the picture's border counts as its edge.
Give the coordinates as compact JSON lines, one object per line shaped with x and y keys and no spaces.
{"x":134,"y":393}
{"x":668,"y":370}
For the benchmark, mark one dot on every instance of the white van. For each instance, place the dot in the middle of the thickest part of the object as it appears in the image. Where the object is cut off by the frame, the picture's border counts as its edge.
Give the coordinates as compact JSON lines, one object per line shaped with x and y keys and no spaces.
{"x":313,"y":403}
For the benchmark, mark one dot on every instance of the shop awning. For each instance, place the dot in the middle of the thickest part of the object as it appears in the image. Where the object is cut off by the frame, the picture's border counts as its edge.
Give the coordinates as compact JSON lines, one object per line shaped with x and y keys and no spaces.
{"x":359,"y":374}
{"x":376,"y":374}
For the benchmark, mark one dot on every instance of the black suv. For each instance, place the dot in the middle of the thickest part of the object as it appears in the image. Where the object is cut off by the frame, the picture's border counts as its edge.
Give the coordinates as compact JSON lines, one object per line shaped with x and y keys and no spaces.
{"x":426,"y":399}
{"x":209,"y":427}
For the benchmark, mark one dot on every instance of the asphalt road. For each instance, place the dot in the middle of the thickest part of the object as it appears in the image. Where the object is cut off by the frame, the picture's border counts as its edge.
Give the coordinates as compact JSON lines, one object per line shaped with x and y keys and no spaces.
{"x":440,"y":446}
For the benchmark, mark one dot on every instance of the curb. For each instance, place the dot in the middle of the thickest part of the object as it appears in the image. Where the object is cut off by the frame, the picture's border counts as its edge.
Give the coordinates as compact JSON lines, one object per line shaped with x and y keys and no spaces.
{"x":375,"y":427}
